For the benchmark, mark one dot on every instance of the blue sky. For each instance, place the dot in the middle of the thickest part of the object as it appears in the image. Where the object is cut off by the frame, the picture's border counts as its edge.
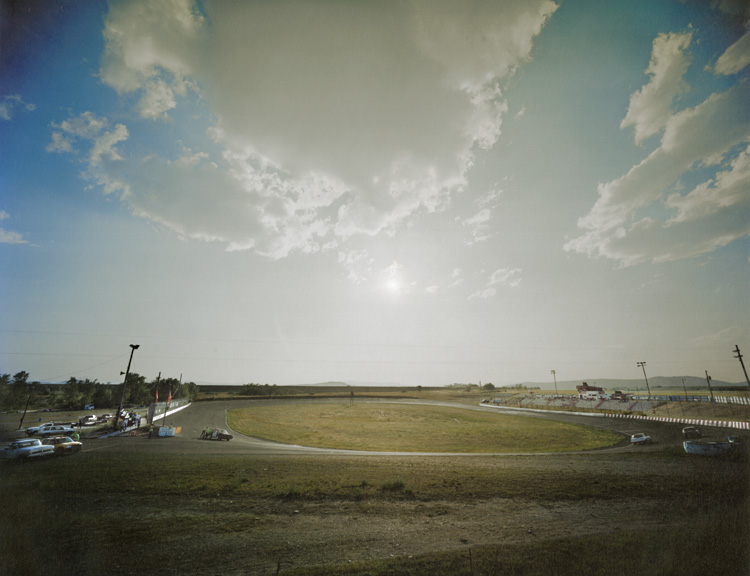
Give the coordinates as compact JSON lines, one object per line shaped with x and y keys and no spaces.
{"x":412,"y":192}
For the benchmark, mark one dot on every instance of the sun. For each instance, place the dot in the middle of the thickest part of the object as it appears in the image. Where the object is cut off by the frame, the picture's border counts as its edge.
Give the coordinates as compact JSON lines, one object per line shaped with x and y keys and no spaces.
{"x":393,"y":286}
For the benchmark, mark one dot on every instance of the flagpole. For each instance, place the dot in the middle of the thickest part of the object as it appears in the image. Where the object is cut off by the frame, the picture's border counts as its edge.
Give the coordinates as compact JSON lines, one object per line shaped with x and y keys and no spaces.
{"x":158,"y":379}
{"x":166,"y":408}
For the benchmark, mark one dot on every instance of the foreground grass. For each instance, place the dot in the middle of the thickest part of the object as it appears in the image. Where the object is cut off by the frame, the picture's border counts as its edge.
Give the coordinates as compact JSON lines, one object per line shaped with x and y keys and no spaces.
{"x":410,"y":428}
{"x":707,"y":548}
{"x":122,"y":513}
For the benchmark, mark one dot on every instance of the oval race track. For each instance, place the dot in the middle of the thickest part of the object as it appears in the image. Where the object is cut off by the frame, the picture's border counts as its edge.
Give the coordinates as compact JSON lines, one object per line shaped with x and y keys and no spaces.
{"x":199,"y":415}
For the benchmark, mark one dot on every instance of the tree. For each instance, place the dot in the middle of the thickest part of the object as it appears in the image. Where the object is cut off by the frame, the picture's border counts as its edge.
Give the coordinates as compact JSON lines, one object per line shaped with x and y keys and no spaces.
{"x":489,"y":386}
{"x":17,"y":391}
{"x":4,"y":390}
{"x":71,"y":395}
{"x":136,"y":390}
{"x":104,"y":395}
{"x":188,"y":390}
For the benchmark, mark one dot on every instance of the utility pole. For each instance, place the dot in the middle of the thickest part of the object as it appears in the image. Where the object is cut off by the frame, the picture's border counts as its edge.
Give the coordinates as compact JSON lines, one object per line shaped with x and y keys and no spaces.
{"x":133,"y":348}
{"x":643,"y":365}
{"x":738,"y":355}
{"x":554,"y":372}
{"x":31,"y":392}
{"x":710,"y":390}
{"x":686,"y":398}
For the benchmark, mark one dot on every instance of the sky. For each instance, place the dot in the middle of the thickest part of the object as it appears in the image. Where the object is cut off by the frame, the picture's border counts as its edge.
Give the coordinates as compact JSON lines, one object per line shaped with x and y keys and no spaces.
{"x":408,"y":192}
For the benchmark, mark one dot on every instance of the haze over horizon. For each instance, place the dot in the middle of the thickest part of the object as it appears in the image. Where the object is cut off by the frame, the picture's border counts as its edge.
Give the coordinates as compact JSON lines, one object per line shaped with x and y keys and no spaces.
{"x":420,"y":192}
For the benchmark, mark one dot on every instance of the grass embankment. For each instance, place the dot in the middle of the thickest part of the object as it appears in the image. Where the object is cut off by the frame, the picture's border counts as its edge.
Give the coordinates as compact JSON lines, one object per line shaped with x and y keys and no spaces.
{"x":408,"y":428}
{"x":170,"y":514}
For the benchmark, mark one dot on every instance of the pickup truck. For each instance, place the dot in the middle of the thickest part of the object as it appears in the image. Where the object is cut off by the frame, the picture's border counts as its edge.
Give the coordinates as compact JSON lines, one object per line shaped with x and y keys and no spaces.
{"x":24,"y":450}
{"x":50,"y":429}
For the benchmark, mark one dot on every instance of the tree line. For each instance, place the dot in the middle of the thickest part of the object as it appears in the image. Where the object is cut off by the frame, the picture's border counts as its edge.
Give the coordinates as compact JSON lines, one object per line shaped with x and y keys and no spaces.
{"x":16,"y":392}
{"x":256,"y":390}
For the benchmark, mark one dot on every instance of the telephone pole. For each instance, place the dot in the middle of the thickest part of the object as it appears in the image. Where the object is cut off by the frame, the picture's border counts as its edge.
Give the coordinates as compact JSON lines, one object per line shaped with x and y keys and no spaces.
{"x":133,"y":348}
{"x":738,"y":355}
{"x":710,"y":390}
{"x":554,"y":372}
{"x":643,"y":365}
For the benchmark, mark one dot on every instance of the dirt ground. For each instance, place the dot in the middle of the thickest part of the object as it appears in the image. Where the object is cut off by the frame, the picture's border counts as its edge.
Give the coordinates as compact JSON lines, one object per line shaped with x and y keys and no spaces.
{"x":270,"y":537}
{"x":297,"y":535}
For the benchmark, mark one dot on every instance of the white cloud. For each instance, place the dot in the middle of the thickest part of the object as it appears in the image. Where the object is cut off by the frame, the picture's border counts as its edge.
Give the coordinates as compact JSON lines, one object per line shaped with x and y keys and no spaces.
{"x":503,"y":276}
{"x":651,"y":107}
{"x":479,"y":226}
{"x":335,"y":120}
{"x":10,"y":103}
{"x":8,"y":236}
{"x":723,"y":338}
{"x":104,"y":163}
{"x":734,"y":58}
{"x":358,"y":265}
{"x":629,"y":223}
{"x":729,"y":190}
{"x":150,"y":48}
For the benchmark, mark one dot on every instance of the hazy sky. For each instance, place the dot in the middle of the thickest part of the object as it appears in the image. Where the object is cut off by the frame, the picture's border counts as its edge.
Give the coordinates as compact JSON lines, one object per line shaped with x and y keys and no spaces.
{"x":419,"y":192}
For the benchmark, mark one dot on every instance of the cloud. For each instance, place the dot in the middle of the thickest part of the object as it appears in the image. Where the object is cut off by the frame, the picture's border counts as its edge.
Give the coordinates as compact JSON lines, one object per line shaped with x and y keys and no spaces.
{"x":735,"y":58}
{"x":723,"y":338}
{"x":104,"y":163}
{"x":640,"y":217}
{"x":650,"y":108}
{"x":8,"y":236}
{"x":503,"y":276}
{"x":12,"y":102}
{"x":329,"y":121}
{"x":150,"y":49}
{"x":358,"y":265}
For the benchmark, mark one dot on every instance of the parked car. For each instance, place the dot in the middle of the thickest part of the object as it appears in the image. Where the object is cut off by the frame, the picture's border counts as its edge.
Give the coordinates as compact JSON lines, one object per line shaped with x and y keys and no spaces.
{"x":24,"y":450}
{"x":50,"y":429}
{"x":216,"y":434}
{"x":89,"y":420}
{"x":106,"y":416}
{"x":640,"y":438}
{"x":63,"y":445}
{"x":691,"y":432}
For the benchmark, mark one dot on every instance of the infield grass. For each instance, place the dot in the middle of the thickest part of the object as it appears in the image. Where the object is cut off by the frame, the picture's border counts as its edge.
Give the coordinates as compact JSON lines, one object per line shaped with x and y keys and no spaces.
{"x":413,"y":428}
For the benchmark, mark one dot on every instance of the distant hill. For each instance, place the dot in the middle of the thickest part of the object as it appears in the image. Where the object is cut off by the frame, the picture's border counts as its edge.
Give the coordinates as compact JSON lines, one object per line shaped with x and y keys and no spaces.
{"x":691,"y":382}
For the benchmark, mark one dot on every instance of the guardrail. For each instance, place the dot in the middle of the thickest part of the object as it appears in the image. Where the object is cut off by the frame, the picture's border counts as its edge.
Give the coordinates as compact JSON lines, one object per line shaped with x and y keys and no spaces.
{"x":690,"y":421}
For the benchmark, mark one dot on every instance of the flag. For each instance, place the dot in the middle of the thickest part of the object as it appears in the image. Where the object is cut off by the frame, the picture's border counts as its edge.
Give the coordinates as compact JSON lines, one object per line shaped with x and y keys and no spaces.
{"x":157,"y":394}
{"x":169,"y":398}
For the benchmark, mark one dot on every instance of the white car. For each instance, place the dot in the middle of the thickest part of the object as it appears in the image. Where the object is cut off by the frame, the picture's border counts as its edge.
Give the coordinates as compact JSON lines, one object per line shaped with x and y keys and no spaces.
{"x":640,"y":438}
{"x":24,"y":450}
{"x":89,"y":420}
{"x":50,"y":429}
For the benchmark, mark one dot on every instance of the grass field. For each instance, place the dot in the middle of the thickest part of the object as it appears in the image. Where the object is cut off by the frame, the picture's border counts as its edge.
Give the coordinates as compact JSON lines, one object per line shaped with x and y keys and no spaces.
{"x":409,"y":428}
{"x":168,"y":514}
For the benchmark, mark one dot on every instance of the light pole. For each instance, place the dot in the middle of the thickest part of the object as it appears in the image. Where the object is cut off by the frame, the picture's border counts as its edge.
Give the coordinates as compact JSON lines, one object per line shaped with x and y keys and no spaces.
{"x":643,"y":365}
{"x":553,"y":372}
{"x":133,"y":348}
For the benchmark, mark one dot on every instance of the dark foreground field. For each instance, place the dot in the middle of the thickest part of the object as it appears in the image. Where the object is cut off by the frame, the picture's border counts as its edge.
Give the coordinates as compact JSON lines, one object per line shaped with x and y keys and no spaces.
{"x":144,"y":511}
{"x":186,"y":506}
